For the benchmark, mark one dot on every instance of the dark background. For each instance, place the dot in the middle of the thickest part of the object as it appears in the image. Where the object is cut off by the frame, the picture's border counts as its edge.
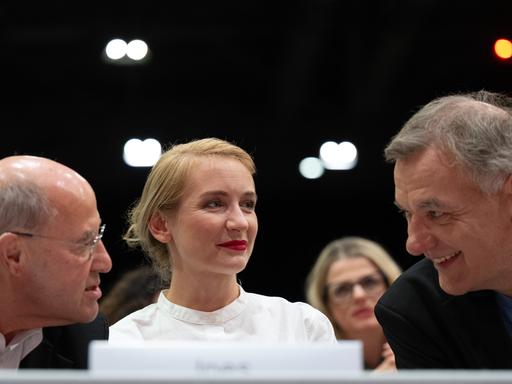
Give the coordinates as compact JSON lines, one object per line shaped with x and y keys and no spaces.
{"x":278,"y":78}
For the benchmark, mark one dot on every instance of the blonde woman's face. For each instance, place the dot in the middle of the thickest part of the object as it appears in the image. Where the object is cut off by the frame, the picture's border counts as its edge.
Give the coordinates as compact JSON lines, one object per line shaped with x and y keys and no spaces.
{"x":215,"y":225}
{"x":353,"y":287}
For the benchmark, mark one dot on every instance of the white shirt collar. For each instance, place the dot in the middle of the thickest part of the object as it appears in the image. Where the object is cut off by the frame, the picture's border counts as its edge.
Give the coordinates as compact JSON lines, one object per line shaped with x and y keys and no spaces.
{"x":188,"y":315}
{"x":19,"y":347}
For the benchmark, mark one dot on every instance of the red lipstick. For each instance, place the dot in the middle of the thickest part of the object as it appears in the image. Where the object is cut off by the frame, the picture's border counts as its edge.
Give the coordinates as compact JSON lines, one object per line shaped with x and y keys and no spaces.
{"x":237,"y":245}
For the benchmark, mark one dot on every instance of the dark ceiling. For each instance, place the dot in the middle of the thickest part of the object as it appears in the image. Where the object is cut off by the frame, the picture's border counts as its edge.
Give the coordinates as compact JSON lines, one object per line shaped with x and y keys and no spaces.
{"x":276,"y":77}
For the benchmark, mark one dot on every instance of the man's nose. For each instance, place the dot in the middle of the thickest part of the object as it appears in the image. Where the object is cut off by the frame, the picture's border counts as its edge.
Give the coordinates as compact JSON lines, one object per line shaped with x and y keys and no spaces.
{"x":101,"y":259}
{"x":420,"y":239}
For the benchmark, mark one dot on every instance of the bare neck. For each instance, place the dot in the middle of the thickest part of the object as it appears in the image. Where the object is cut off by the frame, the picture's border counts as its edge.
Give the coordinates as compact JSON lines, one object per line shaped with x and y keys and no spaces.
{"x":205,"y":293}
{"x":12,"y":321}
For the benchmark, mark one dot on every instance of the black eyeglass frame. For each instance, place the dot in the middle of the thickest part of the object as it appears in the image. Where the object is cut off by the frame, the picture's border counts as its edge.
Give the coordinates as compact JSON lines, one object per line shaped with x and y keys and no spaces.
{"x":345,"y":302}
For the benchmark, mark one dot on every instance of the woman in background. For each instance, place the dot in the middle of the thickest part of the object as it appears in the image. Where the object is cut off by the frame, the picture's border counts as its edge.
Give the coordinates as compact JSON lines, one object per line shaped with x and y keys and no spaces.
{"x":133,"y":291}
{"x":347,"y":280}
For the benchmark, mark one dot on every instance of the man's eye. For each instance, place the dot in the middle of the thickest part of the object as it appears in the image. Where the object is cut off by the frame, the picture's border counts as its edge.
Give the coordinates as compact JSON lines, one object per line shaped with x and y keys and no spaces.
{"x":435,"y":214}
{"x":88,"y":243}
{"x":404,"y":213}
{"x":249,"y":204}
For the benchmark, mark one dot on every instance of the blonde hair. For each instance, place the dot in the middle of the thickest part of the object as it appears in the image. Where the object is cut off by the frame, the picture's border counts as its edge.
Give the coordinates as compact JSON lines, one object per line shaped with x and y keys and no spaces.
{"x":164,"y":188}
{"x":346,"y":247}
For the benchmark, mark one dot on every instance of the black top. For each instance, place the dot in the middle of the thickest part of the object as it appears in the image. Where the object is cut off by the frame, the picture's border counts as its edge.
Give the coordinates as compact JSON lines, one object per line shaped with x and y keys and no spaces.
{"x":66,"y":346}
{"x":427,"y":328}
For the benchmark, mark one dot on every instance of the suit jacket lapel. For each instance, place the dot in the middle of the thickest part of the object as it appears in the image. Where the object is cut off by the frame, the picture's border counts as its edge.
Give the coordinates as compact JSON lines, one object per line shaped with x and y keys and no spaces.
{"x":477,"y":314}
{"x":47,"y":355}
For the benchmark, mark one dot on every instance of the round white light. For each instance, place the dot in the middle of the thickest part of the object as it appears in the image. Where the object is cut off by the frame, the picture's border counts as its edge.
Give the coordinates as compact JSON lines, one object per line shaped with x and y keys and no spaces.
{"x":348,"y":152}
{"x":340,"y":156}
{"x":116,"y":49}
{"x":137,"y":49}
{"x":311,"y":168}
{"x":138,"y":153}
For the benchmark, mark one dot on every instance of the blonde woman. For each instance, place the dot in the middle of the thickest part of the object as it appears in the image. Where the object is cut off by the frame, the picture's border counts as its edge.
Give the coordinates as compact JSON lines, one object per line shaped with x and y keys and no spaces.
{"x":197,"y":219}
{"x":345,"y":283}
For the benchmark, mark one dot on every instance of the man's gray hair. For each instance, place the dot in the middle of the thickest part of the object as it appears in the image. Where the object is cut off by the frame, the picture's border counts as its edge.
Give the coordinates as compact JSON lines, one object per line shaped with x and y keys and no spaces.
{"x":23,"y":205}
{"x":475,"y":128}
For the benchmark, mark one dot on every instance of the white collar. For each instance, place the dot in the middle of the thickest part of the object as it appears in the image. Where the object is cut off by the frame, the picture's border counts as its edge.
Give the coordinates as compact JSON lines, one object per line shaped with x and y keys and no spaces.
{"x":188,"y":315}
{"x":20,"y":346}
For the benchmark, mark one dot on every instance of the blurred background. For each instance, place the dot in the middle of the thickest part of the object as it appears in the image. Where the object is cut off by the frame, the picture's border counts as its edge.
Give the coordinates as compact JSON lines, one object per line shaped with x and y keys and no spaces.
{"x":279,"y":78}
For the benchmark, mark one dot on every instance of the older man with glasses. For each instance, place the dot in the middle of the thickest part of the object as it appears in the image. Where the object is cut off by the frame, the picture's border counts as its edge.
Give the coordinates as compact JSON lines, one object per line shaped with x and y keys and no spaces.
{"x":51,"y":257}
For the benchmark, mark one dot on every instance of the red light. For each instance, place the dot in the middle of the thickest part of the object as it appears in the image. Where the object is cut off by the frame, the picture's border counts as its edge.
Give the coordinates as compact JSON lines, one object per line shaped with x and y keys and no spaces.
{"x":503,"y":48}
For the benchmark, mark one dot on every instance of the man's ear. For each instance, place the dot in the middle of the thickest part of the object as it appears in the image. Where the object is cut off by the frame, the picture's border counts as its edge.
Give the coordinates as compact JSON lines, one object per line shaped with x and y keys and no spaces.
{"x":10,"y":253}
{"x":158,"y":227}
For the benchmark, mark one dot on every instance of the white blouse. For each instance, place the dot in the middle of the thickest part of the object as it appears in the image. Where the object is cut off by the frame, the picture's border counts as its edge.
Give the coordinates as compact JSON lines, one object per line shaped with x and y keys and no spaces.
{"x":251,"y":317}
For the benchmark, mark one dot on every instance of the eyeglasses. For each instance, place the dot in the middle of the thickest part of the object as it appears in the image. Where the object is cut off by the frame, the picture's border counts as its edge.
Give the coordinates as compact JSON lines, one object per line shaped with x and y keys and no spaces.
{"x":342,"y":293}
{"x":89,"y":245}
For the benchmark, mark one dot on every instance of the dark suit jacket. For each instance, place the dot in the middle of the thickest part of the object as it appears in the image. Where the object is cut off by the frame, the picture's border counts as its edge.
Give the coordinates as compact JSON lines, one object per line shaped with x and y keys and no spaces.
{"x":66,"y":346}
{"x":428,"y":328}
